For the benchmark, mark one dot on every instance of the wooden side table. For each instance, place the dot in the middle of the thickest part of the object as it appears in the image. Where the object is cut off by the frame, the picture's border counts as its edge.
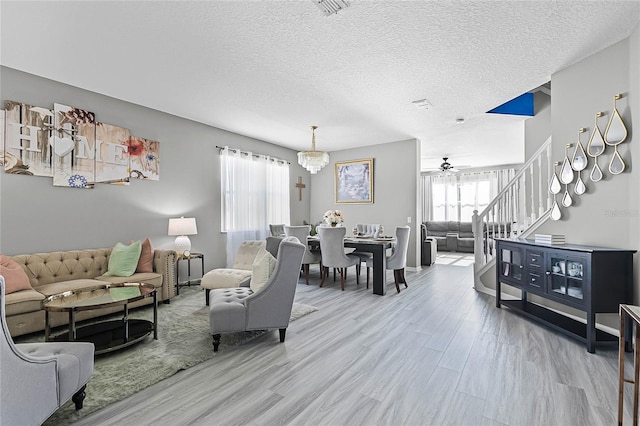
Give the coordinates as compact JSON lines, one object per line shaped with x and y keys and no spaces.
{"x":189,"y":281}
{"x":629,"y":323}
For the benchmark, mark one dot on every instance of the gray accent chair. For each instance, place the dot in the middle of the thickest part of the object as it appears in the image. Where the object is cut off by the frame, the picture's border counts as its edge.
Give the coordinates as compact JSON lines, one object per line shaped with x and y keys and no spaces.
{"x":273,"y":243}
{"x":398,"y":259}
{"x":301,"y":233}
{"x":38,"y":378}
{"x":240,"y":309}
{"x":277,"y":230}
{"x":333,"y":256}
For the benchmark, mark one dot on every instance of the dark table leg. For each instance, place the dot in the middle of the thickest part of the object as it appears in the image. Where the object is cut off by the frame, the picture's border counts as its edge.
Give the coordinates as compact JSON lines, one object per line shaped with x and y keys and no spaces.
{"x":379,"y":269}
{"x":178,"y":277}
{"x":155,"y":315}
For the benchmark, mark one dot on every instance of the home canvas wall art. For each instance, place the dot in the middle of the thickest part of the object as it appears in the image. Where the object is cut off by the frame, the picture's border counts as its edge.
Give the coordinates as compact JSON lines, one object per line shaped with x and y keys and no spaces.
{"x":112,"y":156}
{"x":74,"y":147}
{"x":70,"y":146}
{"x":145,"y":158}
{"x":28,"y":144}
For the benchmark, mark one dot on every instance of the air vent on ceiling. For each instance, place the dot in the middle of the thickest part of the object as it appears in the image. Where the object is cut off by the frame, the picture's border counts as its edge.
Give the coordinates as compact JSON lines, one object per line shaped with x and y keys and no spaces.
{"x":329,"y":7}
{"x":422,"y":104}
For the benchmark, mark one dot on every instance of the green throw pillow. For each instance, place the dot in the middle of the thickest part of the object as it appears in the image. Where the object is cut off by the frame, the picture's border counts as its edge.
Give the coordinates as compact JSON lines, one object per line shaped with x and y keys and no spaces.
{"x":123,"y":260}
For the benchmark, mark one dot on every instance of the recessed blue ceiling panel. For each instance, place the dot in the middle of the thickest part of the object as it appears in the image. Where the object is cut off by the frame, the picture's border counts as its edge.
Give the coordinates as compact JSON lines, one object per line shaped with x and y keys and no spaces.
{"x":522,"y":105}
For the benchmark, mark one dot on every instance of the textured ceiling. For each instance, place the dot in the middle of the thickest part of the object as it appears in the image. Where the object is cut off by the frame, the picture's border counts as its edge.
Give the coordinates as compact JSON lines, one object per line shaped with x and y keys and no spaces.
{"x":270,"y":69}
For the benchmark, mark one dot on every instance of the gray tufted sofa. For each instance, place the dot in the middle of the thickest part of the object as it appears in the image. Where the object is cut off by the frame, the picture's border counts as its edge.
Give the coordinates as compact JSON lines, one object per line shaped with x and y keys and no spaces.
{"x":56,"y":272}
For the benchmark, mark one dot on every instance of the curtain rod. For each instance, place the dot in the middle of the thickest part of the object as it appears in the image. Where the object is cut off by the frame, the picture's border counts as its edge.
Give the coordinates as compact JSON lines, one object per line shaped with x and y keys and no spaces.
{"x":255,"y":155}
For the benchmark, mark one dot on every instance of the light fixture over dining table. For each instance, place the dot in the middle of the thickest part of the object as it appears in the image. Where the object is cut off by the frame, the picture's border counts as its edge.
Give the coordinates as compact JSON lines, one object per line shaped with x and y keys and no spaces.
{"x":313,"y":160}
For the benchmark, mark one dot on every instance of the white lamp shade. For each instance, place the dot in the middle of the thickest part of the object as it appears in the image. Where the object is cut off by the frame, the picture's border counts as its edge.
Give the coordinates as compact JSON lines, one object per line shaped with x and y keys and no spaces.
{"x":183,"y":226}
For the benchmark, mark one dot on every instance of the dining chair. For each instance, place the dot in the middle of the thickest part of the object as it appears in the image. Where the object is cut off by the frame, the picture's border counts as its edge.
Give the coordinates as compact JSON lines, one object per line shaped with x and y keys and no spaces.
{"x":365,"y":230}
{"x":368,"y":229}
{"x":333,"y":256}
{"x":301,"y":233}
{"x":277,"y":230}
{"x":398,"y":259}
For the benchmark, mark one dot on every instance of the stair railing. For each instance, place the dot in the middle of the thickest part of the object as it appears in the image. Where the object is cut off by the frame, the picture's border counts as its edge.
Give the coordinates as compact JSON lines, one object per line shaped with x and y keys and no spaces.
{"x":521,"y":206}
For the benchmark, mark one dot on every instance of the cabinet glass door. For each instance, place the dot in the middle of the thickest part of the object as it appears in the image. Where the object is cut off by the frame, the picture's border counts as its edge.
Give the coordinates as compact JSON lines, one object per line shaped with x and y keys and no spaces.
{"x":512,"y":263}
{"x":567,"y":277}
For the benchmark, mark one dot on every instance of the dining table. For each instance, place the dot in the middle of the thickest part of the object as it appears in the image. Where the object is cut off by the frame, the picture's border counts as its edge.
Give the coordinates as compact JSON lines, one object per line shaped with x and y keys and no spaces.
{"x":378,"y":247}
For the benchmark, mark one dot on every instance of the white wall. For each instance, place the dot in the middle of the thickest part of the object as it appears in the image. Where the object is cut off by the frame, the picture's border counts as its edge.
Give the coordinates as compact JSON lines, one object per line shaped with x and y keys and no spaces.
{"x":396,"y":168}
{"x":608,"y":215}
{"x":35,"y":216}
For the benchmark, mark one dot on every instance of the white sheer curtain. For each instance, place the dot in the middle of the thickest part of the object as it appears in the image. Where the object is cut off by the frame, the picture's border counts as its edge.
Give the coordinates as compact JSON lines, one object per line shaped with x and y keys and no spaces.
{"x":254,"y":193}
{"x":455,"y":196}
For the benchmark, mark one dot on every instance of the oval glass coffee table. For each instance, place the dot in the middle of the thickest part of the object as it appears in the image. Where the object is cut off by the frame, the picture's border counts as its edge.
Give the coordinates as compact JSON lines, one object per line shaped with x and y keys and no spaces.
{"x":110,"y":335}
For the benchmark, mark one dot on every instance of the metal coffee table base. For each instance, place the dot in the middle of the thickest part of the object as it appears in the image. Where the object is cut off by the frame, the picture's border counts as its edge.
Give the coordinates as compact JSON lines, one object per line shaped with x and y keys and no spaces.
{"x":109,"y":336}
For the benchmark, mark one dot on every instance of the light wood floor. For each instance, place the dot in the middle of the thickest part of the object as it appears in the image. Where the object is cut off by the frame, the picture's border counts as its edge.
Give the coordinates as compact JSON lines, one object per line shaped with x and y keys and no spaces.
{"x":438,"y":353}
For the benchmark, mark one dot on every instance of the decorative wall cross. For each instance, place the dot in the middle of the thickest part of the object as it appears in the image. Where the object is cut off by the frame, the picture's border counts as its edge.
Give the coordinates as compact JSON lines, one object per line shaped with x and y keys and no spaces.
{"x":300,"y":185}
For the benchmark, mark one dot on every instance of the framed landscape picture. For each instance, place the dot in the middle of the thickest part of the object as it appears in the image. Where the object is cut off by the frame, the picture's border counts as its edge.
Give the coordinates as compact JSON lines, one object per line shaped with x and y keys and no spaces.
{"x":354,"y":181}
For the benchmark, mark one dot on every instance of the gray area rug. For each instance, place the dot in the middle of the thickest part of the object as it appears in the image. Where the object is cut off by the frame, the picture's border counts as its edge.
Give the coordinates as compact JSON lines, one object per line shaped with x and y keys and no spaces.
{"x":183,"y":341}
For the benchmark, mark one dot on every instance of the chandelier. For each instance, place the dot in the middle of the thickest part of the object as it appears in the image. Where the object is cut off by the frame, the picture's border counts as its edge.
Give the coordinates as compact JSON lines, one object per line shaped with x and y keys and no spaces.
{"x":313,"y":160}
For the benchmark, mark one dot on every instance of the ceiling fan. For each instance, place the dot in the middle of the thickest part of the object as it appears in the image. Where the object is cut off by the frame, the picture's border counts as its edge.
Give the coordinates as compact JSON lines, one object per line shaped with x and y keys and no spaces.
{"x":446,"y":167}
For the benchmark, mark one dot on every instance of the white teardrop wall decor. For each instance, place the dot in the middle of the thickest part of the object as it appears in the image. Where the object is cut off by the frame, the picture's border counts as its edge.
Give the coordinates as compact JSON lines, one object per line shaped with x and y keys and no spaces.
{"x":596,"y":173}
{"x":616,"y":131}
{"x":566,"y":171}
{"x":580,"y":188}
{"x":616,"y":166}
{"x":567,"y":201}
{"x":579,"y":160}
{"x":596,"y":145}
{"x":556,"y":214}
{"x":555,"y":187}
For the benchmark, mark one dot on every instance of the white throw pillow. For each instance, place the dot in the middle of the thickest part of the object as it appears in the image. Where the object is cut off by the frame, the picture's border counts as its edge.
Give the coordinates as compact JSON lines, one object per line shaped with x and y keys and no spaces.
{"x":261,"y":270}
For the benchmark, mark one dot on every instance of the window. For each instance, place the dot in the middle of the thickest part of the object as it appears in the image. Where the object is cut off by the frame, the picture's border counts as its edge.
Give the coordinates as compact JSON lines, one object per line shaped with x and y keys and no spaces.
{"x":455,"y":197}
{"x":254,"y":193}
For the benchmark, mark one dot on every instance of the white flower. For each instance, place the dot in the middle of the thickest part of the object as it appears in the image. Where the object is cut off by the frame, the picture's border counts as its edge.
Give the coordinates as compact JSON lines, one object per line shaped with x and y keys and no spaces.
{"x":333,"y":217}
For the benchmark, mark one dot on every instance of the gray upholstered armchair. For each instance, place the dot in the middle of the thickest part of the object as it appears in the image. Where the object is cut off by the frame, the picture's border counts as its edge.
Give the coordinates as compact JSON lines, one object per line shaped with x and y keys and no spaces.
{"x":38,"y":378}
{"x":240,"y":309}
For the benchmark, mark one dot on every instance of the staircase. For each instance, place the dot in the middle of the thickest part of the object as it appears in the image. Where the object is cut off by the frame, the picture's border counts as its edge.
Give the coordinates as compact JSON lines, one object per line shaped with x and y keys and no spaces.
{"x":516,"y":212}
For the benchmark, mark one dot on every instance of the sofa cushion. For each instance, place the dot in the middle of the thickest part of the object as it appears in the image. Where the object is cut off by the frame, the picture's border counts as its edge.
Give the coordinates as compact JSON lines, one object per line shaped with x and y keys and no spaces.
{"x":465,"y":230}
{"x":263,"y":267}
{"x":247,"y":254}
{"x":225,"y":278}
{"x":15,"y":277}
{"x":123,"y":260}
{"x":440,"y":228}
{"x":24,"y":301}
{"x":145,"y":263}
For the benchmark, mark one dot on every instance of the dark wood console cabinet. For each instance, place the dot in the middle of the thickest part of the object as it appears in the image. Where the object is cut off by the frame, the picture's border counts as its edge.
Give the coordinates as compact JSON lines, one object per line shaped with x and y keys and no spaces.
{"x":591,"y":279}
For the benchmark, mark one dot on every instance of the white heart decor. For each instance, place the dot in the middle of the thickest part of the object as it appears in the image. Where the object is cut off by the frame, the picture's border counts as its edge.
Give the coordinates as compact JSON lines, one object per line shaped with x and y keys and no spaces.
{"x":63,"y":146}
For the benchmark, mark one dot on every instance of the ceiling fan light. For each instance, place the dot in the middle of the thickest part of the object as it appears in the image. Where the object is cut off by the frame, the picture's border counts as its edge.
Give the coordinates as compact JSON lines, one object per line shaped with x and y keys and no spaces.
{"x":313,"y":160}
{"x":329,"y":7}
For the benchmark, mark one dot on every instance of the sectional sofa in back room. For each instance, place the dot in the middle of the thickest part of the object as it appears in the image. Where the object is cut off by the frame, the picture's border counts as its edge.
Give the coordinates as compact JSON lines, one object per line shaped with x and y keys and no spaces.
{"x":30,"y":278}
{"x":450,"y":235}
{"x":458,"y":236}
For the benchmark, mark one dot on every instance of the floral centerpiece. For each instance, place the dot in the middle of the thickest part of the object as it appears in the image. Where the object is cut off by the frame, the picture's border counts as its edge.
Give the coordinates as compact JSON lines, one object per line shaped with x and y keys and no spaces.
{"x":333,"y":217}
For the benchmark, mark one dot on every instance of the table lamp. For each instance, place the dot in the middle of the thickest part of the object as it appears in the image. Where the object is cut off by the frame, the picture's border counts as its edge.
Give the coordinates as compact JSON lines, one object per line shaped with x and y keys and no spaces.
{"x":182,"y":227}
